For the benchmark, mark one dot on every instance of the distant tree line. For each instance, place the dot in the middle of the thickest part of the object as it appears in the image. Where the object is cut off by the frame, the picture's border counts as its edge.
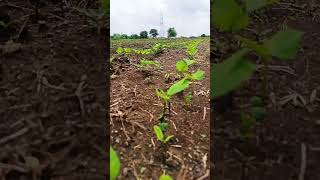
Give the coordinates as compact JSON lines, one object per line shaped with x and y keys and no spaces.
{"x":153,"y":33}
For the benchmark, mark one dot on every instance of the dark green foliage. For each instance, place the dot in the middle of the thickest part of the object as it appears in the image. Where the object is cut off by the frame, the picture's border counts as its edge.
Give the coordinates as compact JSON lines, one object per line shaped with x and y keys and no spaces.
{"x":144,"y":34}
{"x":172,"y":32}
{"x":153,"y":33}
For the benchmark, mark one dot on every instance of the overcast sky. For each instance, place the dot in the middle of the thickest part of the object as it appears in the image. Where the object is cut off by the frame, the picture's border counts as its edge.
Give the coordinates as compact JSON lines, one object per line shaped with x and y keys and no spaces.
{"x":189,"y":17}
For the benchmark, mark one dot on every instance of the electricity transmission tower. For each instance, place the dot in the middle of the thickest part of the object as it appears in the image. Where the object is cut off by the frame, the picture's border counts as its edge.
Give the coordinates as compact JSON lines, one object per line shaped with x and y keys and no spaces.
{"x":161,"y":33}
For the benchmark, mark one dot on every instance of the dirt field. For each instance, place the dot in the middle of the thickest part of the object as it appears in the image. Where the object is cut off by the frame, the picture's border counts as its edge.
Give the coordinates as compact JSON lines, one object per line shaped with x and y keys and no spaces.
{"x":292,"y":122}
{"x":52,"y":92}
{"x":135,"y":109}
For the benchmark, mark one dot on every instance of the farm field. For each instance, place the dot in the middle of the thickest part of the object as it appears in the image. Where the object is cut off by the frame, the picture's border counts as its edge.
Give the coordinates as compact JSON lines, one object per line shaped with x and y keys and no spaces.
{"x":284,"y":142}
{"x":135,"y":109}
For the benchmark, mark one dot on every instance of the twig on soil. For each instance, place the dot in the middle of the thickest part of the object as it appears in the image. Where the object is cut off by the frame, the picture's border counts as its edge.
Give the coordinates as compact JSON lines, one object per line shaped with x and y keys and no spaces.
{"x":182,"y":173}
{"x":151,"y":116}
{"x":46,"y":83}
{"x":303,"y":161}
{"x":204,"y":113}
{"x":315,"y":148}
{"x":114,"y":104}
{"x":13,"y":167}
{"x":82,"y":85}
{"x":153,"y":144}
{"x":16,"y":6}
{"x":134,"y":91}
{"x":16,"y":107}
{"x":124,"y":130}
{"x":135,"y":171}
{"x":205,"y":175}
{"x":176,"y":146}
{"x":174,"y":156}
{"x":22,"y":28}
{"x":171,"y":109}
{"x":13,"y":136}
{"x":174,"y":125}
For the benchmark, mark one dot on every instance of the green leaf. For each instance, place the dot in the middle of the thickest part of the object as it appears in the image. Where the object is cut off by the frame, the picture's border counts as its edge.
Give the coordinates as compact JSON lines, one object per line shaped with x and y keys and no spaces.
{"x":165,"y":177}
{"x":229,"y":16}
{"x":162,"y":95}
{"x":258,"y":113}
{"x":198,"y":75}
{"x":105,"y":5}
{"x":284,"y":44}
{"x":163,"y":126}
{"x":256,"y":101}
{"x":128,"y":50}
{"x":178,"y":87}
{"x":189,"y":62}
{"x":247,"y":122}
{"x":168,"y":138}
{"x":158,"y":132}
{"x":259,"y":49}
{"x":114,"y":164}
{"x":229,"y":74}
{"x":182,"y":66}
{"x":120,"y":50}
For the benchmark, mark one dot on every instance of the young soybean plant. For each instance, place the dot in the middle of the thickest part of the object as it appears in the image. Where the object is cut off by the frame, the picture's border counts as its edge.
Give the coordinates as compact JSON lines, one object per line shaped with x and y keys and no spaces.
{"x":233,"y":71}
{"x":114,"y":164}
{"x":182,"y":66}
{"x":145,"y":65}
{"x":161,"y":137}
{"x":192,"y":49}
{"x":165,"y":177}
{"x":174,"y":89}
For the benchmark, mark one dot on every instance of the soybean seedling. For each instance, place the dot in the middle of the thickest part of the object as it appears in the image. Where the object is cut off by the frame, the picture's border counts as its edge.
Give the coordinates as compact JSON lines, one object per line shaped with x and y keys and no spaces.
{"x":161,"y":137}
{"x":248,"y":120}
{"x":174,"y":89}
{"x":182,"y":66}
{"x":165,"y":176}
{"x":233,"y":71}
{"x":97,"y":16}
{"x":114,"y":164}
{"x":192,"y":49}
{"x":158,"y":48}
{"x":188,"y":98}
{"x":145,"y":65}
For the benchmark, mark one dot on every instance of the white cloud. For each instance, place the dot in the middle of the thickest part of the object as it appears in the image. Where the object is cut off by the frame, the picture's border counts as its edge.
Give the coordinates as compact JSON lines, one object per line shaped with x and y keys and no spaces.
{"x":189,"y":17}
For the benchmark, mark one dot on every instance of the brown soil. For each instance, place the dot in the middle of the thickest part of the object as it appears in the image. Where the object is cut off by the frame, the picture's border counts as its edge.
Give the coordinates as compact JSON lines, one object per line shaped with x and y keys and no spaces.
{"x":135,"y":109}
{"x":275,"y":152}
{"x":52,"y":92}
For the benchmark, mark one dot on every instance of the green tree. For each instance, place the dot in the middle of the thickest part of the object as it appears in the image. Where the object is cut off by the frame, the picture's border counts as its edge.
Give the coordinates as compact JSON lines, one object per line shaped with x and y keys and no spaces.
{"x":172,"y":32}
{"x":144,"y":34}
{"x":124,"y":36}
{"x":203,"y":35}
{"x":134,"y":36}
{"x":153,"y":33}
{"x":116,"y":36}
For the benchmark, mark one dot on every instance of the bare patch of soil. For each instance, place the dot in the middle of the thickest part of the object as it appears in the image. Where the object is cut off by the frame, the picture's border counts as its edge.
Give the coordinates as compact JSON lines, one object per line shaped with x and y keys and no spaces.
{"x":52,"y":92}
